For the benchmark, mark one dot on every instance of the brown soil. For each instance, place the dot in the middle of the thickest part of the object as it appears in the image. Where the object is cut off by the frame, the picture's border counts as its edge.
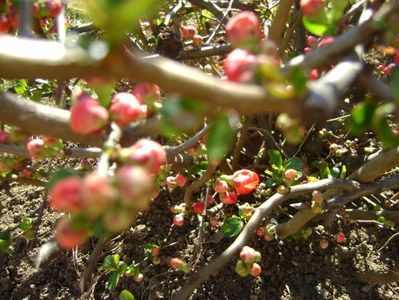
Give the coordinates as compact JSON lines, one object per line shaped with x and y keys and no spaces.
{"x":291,"y":269}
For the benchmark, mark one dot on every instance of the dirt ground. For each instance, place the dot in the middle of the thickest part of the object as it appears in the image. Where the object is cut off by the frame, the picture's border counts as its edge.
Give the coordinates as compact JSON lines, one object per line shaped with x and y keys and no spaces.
{"x":292,"y":269}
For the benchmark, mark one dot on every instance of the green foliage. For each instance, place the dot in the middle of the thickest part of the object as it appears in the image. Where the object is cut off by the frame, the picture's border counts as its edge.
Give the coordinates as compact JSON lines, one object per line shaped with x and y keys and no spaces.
{"x":232,"y":226}
{"x":126,"y":295}
{"x":220,"y":138}
{"x":119,"y":16}
{"x":5,"y":242}
{"x":180,"y":115}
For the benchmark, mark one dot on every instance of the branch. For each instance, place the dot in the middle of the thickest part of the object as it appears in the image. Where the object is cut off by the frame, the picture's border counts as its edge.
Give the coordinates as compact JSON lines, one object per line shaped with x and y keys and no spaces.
{"x":377,"y":166}
{"x":346,"y":41}
{"x":280,"y":20}
{"x":261,"y":212}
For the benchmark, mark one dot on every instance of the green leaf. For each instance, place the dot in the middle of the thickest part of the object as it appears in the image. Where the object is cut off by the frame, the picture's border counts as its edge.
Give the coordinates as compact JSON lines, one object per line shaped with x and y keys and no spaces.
{"x":111,"y":262}
{"x":26,"y":224}
{"x":298,"y":78}
{"x":317,"y":28}
{"x":382,"y":127}
{"x":126,"y":295}
{"x":232,"y":226}
{"x":179,"y":115}
{"x":275,"y":158}
{"x":113,"y":281}
{"x":337,"y":9}
{"x":119,"y":17}
{"x":361,"y":117}
{"x":5,"y":242}
{"x":197,"y":169}
{"x":395,"y":82}
{"x":220,"y":138}
{"x":21,"y":87}
{"x":133,"y":269}
{"x":294,"y":163}
{"x":104,"y":92}
{"x":59,"y":175}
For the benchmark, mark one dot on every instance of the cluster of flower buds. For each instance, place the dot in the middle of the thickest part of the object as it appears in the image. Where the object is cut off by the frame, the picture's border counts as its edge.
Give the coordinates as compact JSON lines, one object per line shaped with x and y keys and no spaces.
{"x":248,"y":262}
{"x":88,"y":116}
{"x":45,"y":146}
{"x":109,"y":202}
{"x":242,"y":182}
{"x":189,"y":32}
{"x":9,"y":17}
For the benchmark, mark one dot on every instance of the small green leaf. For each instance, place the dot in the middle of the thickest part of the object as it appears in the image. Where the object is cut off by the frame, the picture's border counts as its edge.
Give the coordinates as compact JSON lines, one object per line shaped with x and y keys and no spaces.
{"x":5,"y":242}
{"x":179,"y":115}
{"x":361,"y":117}
{"x":275,"y":158}
{"x":317,"y":28}
{"x":382,"y":127}
{"x":294,"y":163}
{"x":298,"y":78}
{"x":26,"y":224}
{"x":232,"y":226}
{"x":104,"y":92}
{"x":111,"y":261}
{"x":126,"y":295}
{"x":220,"y":138}
{"x":132,"y":270}
{"x":113,"y":281}
{"x":21,"y":87}
{"x":337,"y":9}
{"x":395,"y":82}
{"x":59,"y":175}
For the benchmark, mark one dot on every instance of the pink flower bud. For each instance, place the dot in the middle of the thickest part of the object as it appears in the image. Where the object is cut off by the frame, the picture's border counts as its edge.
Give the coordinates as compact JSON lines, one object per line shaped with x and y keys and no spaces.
{"x":238,"y":64}
{"x":243,"y":27}
{"x":180,"y":180}
{"x":4,"y":137}
{"x":255,"y":270}
{"x":87,"y":115}
{"x":147,"y":92}
{"x":214,"y":222}
{"x":197,"y":40}
{"x":145,"y":152}
{"x":314,"y":74}
{"x":290,"y":175}
{"x":311,"y":41}
{"x":311,"y":7}
{"x":245,"y":181}
{"x":220,"y":186}
{"x":198,"y":207}
{"x":317,"y":196}
{"x":68,"y":237}
{"x":124,"y":108}
{"x":323,"y":244}
{"x":135,"y":185}
{"x":248,"y":255}
{"x":188,"y":31}
{"x":325,"y":41}
{"x":35,"y":148}
{"x":340,"y":237}
{"x":66,"y":195}
{"x":178,"y":220}
{"x":211,"y":200}
{"x":54,"y":7}
{"x":98,"y":193}
{"x":228,"y":197}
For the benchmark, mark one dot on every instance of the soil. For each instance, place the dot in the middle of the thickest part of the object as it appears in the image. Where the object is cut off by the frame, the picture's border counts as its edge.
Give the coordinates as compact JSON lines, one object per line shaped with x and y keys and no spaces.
{"x":292,"y":269}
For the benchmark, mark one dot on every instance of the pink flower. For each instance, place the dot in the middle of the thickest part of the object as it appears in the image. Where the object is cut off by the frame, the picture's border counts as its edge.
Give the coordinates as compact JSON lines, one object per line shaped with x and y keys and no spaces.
{"x":87,"y":115}
{"x":125,"y":108}
{"x":243,"y":27}
{"x":237,"y":65}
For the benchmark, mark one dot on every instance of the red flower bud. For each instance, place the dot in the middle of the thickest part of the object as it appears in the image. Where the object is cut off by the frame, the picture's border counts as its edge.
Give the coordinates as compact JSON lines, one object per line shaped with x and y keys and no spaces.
{"x":243,"y":27}
{"x":237,"y":65}
{"x":124,"y":108}
{"x":68,"y":237}
{"x":66,"y":195}
{"x":198,"y":207}
{"x":228,"y":197}
{"x":87,"y":115}
{"x":188,"y":31}
{"x":245,"y":181}
{"x":311,"y":7}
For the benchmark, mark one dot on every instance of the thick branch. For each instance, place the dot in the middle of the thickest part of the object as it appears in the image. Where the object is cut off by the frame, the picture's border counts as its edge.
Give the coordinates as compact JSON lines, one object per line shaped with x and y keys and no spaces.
{"x":280,"y":20}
